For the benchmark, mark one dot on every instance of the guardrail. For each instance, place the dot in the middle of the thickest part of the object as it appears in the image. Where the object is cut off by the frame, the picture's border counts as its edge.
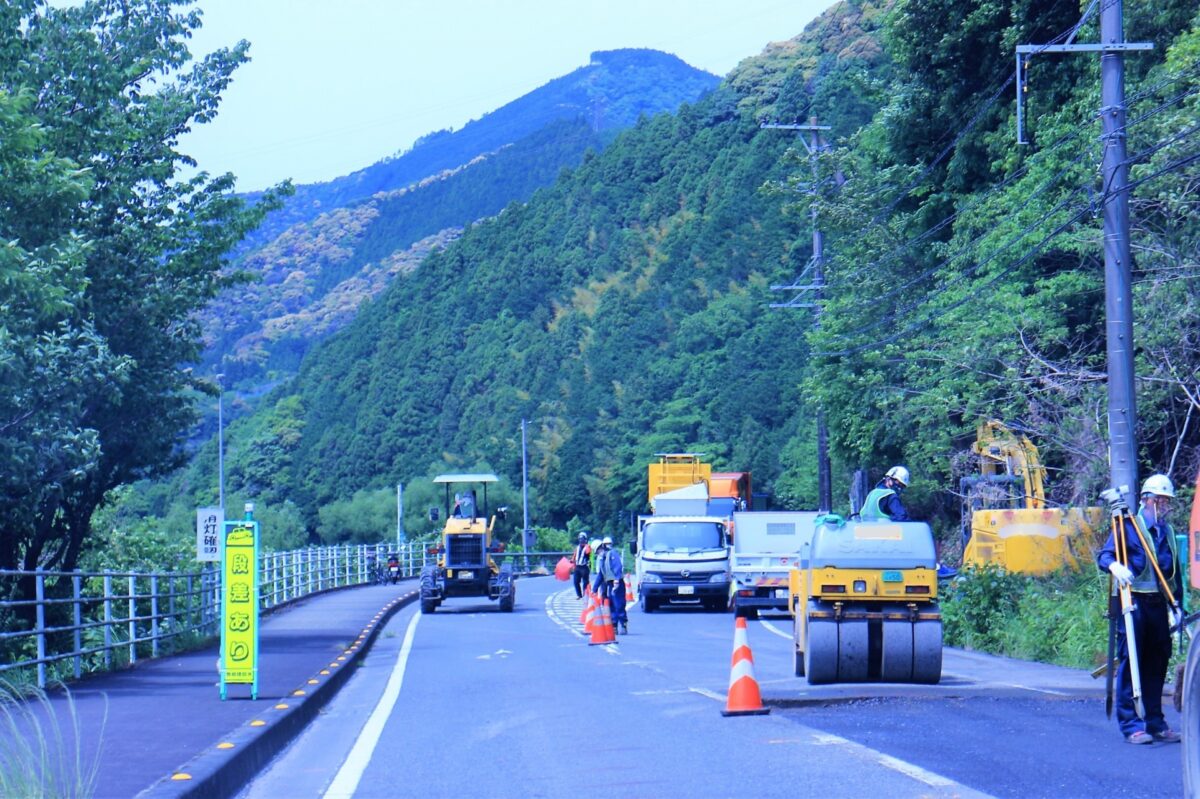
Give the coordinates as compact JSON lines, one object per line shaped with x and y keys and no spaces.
{"x":98,"y":621}
{"x":103,"y":620}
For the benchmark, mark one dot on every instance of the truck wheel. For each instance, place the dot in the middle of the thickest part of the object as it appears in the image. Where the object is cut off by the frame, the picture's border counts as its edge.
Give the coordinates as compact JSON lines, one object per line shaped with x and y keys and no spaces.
{"x":648,"y":604}
{"x":428,"y":606}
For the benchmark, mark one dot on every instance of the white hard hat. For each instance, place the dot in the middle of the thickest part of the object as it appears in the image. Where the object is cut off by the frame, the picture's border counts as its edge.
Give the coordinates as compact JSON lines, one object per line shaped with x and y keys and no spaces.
{"x":899,"y":474}
{"x":607,"y":540}
{"x":1158,"y":484}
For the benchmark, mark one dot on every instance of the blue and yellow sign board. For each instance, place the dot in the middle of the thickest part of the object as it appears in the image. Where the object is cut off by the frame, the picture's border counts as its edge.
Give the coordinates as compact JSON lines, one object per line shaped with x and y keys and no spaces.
{"x":239,"y":605}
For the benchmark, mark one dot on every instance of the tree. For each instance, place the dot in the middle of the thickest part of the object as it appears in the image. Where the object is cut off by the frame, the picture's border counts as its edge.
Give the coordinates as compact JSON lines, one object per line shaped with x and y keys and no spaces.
{"x":119,"y":250}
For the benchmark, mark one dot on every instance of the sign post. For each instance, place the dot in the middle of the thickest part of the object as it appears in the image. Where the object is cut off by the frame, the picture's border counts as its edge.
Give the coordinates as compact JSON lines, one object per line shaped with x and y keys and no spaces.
{"x":239,"y":603}
{"x":210,"y":523}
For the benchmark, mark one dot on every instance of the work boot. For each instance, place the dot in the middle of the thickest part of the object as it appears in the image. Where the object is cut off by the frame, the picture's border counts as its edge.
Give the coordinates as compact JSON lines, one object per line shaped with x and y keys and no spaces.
{"x":1167,"y":736}
{"x":1139,"y":737}
{"x":625,"y":631}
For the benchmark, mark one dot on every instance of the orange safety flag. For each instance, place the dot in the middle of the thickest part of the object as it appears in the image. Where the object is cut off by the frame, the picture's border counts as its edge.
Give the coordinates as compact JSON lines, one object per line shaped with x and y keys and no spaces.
{"x":563,"y":570}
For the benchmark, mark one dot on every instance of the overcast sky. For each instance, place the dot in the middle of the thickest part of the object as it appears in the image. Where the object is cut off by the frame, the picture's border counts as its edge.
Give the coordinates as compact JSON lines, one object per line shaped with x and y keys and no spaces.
{"x":335,"y":85}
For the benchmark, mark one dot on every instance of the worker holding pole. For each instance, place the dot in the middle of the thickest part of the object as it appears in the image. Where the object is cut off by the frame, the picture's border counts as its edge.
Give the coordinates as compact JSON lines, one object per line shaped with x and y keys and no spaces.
{"x":1141,"y":556}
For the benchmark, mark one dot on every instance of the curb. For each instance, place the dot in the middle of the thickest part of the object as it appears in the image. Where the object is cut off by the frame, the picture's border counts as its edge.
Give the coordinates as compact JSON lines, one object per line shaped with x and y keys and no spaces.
{"x":229,"y":763}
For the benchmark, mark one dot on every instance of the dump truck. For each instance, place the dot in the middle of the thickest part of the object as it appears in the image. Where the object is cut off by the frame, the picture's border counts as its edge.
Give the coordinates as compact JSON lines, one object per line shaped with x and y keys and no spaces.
{"x":465,"y":567}
{"x":1005,"y":517}
{"x":766,"y":546}
{"x":864,"y":603}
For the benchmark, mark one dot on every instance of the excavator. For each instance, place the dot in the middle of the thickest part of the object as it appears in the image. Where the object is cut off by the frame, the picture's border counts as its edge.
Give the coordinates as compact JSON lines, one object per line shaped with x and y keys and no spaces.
{"x":1005,"y":518}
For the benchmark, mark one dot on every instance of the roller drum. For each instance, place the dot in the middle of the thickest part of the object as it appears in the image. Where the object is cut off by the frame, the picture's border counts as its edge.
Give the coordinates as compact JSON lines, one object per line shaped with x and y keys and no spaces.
{"x":896,"y":665}
{"x":853,"y":651}
{"x":927,"y":651}
{"x":821,"y":652}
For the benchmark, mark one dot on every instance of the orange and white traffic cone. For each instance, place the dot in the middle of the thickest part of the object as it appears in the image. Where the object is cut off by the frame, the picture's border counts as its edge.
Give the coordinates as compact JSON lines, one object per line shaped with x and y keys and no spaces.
{"x":629,"y":590}
{"x":744,"y":697}
{"x":589,"y":615}
{"x":602,"y":630}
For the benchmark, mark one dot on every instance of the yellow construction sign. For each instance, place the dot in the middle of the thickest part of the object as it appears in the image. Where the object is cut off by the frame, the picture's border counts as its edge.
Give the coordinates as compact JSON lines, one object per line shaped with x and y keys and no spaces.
{"x":239,"y":605}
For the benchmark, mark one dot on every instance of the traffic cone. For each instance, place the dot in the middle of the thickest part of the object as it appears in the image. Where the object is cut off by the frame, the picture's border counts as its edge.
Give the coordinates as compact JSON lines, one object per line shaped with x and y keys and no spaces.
{"x":628,"y":590}
{"x":588,"y":601}
{"x":589,"y":615}
{"x":602,"y":630}
{"x":744,"y":697}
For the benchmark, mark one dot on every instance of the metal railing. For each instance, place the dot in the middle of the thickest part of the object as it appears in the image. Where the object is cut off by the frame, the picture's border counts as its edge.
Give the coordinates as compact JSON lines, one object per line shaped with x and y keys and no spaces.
{"x":98,"y":621}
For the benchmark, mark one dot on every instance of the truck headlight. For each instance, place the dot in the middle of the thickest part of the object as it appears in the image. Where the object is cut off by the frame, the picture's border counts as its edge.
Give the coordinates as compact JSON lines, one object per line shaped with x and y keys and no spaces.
{"x":719,"y":577}
{"x":650,"y":577}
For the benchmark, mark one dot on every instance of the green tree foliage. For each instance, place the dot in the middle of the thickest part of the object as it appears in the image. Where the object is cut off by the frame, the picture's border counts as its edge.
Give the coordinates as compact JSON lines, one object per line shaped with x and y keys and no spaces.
{"x":109,"y":253}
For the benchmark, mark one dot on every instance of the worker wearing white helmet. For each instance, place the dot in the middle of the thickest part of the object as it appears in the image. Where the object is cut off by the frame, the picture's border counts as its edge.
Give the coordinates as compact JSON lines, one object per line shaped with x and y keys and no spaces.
{"x":1153,"y":616}
{"x":883,"y":503}
{"x":610,"y":582}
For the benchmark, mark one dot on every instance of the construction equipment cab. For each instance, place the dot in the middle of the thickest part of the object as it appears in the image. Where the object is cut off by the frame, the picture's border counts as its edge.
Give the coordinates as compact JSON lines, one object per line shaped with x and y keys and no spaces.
{"x":464,"y":565}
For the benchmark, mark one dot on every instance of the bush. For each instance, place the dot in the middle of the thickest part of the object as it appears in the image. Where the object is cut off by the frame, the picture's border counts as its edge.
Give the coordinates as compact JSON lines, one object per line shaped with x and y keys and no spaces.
{"x":1056,"y":619}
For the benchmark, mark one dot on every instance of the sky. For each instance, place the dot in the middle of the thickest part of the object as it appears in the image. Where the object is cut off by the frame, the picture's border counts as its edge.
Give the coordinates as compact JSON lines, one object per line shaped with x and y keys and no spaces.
{"x":336,"y":85}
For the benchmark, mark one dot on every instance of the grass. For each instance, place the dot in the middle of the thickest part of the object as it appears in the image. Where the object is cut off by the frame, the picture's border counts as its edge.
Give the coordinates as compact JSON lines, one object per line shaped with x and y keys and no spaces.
{"x":39,"y":759}
{"x":1058,"y":618}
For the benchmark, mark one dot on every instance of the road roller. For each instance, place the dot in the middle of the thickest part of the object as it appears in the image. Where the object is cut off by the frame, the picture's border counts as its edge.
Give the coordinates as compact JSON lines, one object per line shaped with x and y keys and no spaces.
{"x":864,"y":604}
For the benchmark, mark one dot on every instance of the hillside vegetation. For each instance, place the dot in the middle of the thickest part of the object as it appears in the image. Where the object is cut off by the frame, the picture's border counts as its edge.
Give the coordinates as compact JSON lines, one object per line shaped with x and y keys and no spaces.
{"x":625,"y":309}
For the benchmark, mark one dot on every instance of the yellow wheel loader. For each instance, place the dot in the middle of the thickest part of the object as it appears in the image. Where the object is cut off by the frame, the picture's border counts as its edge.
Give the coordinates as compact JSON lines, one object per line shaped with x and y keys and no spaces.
{"x":864,"y":603}
{"x":465,"y":566}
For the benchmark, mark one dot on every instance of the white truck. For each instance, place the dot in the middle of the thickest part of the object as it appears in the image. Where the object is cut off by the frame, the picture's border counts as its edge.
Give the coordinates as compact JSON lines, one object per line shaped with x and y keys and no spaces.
{"x":766,"y":545}
{"x":682,"y":552}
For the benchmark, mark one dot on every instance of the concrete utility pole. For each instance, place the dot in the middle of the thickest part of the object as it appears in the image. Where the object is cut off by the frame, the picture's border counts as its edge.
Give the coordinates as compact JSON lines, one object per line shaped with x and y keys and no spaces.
{"x":524,"y":492}
{"x":1118,"y":281}
{"x":221,"y":442}
{"x":817,"y":266}
{"x":399,"y":515}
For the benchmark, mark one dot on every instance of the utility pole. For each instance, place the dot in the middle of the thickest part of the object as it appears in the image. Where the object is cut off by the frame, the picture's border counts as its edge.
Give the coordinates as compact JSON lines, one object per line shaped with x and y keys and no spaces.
{"x":1118,"y":281}
{"x":817,"y":266}
{"x":399,"y":515}
{"x":524,"y":492}
{"x":221,"y":442}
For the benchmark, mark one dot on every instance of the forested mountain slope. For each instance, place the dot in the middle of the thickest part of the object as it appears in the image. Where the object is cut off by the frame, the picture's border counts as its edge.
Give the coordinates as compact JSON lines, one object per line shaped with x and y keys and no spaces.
{"x":624,"y":310}
{"x":332,"y":245}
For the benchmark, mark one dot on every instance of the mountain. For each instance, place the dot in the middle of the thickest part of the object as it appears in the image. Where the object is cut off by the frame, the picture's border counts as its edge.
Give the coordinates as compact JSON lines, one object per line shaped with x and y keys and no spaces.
{"x":609,"y":94}
{"x":625,"y":309}
{"x":334,"y":245}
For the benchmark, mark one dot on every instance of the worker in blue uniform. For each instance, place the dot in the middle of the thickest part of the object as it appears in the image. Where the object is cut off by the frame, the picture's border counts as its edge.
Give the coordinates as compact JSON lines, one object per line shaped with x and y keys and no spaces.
{"x":610,"y":583}
{"x":1153,"y":617}
{"x":883,"y":503}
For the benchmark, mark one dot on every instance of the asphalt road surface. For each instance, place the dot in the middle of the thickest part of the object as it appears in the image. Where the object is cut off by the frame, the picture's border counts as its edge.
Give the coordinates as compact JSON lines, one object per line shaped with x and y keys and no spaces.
{"x":469,"y":701}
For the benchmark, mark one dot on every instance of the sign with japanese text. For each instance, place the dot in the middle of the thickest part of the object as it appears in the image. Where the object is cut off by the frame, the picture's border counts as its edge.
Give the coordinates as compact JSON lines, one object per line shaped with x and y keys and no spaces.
{"x":239,"y":605}
{"x":209,"y":524}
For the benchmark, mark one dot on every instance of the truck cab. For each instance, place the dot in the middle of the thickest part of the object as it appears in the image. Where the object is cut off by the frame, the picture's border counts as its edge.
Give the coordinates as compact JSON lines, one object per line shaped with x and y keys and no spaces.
{"x":682,"y":560}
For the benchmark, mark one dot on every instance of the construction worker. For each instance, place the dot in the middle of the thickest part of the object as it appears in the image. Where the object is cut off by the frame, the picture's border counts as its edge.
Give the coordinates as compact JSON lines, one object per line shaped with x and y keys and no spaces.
{"x":883,"y":503}
{"x":1153,"y":617}
{"x":610,"y":582}
{"x":581,"y":572}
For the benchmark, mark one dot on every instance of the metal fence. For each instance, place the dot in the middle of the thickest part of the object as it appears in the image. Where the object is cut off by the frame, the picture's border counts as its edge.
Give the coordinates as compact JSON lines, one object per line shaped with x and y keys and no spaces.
{"x":80,"y":622}
{"x":96,"y":621}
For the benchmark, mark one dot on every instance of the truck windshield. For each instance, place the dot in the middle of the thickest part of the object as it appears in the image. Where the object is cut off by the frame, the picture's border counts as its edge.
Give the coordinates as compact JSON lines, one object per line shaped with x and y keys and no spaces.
{"x":659,"y":536}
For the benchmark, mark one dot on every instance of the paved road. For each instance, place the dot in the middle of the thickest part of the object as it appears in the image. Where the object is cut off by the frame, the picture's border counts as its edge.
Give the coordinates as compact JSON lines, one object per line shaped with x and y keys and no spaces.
{"x":143,"y":723}
{"x":495,"y":704}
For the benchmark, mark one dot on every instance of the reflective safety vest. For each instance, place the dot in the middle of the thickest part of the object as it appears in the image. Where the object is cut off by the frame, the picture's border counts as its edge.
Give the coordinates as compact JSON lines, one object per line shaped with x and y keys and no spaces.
{"x":581,"y":554}
{"x":1147,"y":581}
{"x":870,"y":510}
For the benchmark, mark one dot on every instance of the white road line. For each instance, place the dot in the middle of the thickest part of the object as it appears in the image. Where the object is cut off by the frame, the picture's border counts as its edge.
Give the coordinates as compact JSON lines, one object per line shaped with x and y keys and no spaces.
{"x":552,"y":612}
{"x":775,"y":629}
{"x":346,"y":782}
{"x":895,"y":764}
{"x":708,"y":693}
